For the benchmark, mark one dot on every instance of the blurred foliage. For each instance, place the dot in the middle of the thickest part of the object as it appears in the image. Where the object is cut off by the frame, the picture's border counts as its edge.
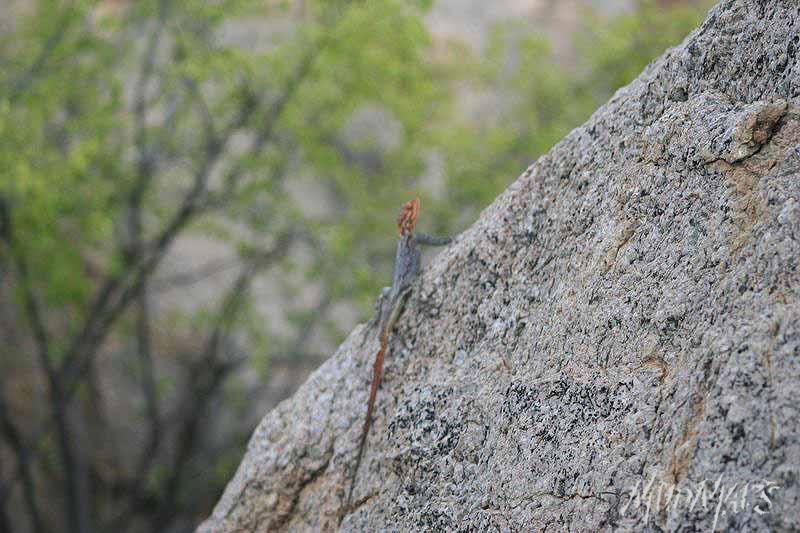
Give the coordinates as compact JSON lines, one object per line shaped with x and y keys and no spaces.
{"x":112,"y":126}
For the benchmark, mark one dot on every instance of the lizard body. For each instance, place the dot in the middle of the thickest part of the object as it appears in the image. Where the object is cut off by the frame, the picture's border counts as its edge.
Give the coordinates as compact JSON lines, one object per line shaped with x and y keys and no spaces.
{"x":406,"y":271}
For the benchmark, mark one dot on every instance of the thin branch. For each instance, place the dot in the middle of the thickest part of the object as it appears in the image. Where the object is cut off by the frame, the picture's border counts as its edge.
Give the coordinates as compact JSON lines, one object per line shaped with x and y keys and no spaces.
{"x":205,"y":377}
{"x":48,"y":49}
{"x":5,"y":522}
{"x":146,"y":169}
{"x":209,"y":270}
{"x":205,"y":112}
{"x":210,"y":372}
{"x":132,"y":252}
{"x":266,"y":134}
{"x":146,"y":157}
{"x":76,"y":511}
{"x":118,"y":291}
{"x":148,"y":67}
{"x":15,"y":441}
{"x":5,"y":236}
{"x":92,"y":335}
{"x":149,"y":388}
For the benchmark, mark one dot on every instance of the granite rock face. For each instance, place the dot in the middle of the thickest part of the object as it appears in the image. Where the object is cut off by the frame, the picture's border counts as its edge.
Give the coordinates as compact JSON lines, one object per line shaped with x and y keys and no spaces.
{"x":623,"y":320}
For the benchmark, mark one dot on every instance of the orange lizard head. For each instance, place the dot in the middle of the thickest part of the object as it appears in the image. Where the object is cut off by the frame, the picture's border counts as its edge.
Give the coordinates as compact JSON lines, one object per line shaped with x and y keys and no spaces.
{"x":407,"y":219}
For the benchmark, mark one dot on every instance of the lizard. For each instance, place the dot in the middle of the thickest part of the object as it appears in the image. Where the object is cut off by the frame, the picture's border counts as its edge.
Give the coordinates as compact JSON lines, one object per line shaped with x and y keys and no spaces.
{"x":391,"y":303}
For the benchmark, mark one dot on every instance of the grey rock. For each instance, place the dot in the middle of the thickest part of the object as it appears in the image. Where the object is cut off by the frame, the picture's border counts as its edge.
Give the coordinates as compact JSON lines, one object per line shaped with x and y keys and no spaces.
{"x":625,"y":315}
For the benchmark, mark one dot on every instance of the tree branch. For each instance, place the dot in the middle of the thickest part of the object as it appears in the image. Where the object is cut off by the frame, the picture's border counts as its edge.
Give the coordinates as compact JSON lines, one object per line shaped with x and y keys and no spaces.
{"x":146,"y":169}
{"x":96,"y":330}
{"x":266,"y":133}
{"x":206,"y":375}
{"x":5,"y":236}
{"x":209,"y":373}
{"x":48,"y":48}
{"x":146,"y":157}
{"x":148,"y":382}
{"x":118,"y":290}
{"x":202,"y":273}
{"x":76,"y":506}
{"x":15,"y":441}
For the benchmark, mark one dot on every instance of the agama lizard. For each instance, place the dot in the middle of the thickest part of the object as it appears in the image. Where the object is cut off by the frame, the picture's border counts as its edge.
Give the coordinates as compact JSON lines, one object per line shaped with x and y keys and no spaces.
{"x":391,"y":302}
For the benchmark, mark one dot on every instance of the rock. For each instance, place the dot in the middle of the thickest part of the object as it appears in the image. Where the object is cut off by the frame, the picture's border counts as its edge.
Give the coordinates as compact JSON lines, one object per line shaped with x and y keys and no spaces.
{"x":623,"y":322}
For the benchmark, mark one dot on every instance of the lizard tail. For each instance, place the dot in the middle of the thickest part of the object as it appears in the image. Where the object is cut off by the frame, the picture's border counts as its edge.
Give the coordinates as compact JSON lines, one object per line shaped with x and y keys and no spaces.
{"x":373,"y":393}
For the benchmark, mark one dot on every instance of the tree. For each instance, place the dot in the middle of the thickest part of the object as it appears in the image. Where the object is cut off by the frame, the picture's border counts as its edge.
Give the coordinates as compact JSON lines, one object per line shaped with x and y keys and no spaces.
{"x":121,"y":134}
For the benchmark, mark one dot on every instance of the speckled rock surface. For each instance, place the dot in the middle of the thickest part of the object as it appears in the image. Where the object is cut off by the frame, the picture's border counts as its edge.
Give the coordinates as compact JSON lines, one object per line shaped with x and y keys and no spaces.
{"x":626,"y":315}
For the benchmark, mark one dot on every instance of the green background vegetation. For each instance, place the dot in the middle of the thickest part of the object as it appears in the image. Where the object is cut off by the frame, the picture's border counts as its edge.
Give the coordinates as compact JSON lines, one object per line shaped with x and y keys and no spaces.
{"x":121,"y":134}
